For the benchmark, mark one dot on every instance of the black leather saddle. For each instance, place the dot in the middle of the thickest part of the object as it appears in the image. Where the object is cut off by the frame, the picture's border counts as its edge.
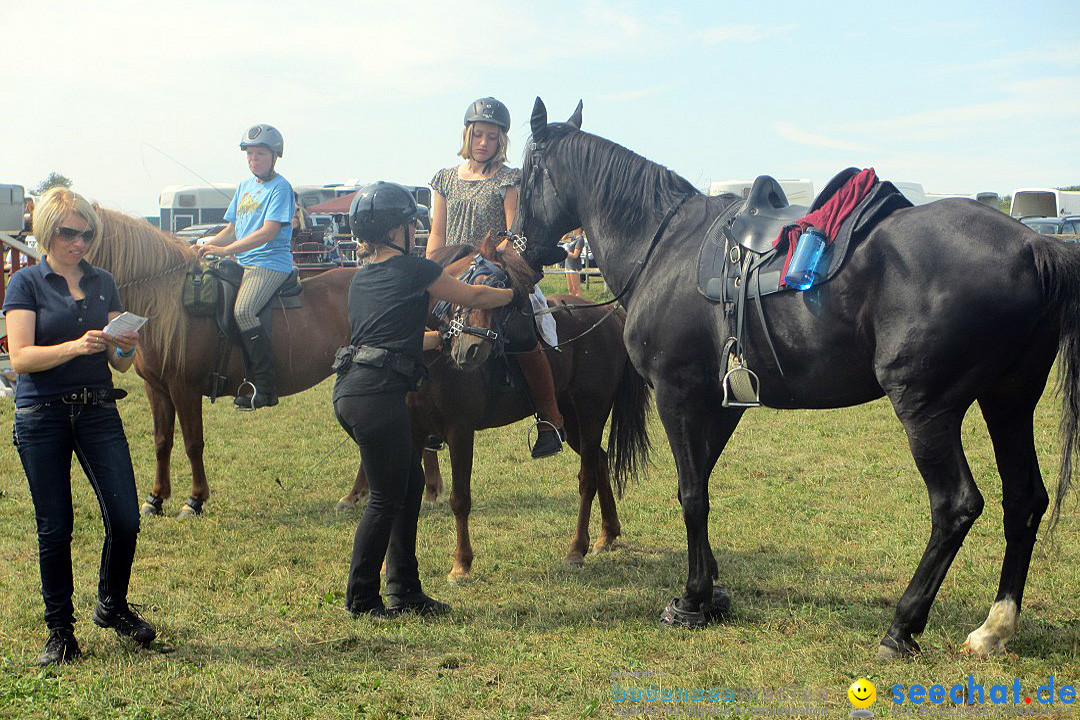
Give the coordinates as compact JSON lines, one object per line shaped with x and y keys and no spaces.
{"x":738,"y":262}
{"x":288,"y":295}
{"x":231,"y":274}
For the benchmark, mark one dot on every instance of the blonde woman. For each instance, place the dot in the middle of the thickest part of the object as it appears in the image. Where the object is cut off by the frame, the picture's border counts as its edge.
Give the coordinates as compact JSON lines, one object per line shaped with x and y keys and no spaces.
{"x":479,"y":196}
{"x":65,"y":404}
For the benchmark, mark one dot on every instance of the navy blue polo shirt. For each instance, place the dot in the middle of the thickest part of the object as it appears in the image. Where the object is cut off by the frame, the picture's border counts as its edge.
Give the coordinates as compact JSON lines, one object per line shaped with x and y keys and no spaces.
{"x":59,"y":319}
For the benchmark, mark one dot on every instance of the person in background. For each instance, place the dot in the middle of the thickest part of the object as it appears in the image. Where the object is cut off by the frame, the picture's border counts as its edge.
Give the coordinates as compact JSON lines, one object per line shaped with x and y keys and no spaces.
{"x":574,"y":243}
{"x":65,"y":404}
{"x":478,"y":196}
{"x":259,"y":234}
{"x":389,"y":300}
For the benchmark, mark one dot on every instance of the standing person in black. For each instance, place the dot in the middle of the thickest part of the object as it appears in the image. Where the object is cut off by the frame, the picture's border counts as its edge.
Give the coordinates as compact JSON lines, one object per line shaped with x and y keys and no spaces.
{"x":65,"y":405}
{"x":389,"y":301}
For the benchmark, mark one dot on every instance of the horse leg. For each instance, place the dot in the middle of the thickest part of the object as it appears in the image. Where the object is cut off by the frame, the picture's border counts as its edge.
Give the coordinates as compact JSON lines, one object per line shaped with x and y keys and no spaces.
{"x":461,"y":460}
{"x":433,"y":482}
{"x":188,"y":405}
{"x":359,"y":491}
{"x":955,"y":503}
{"x":584,"y":438}
{"x":697,"y":429}
{"x":1024,"y":501}
{"x":164,"y":417}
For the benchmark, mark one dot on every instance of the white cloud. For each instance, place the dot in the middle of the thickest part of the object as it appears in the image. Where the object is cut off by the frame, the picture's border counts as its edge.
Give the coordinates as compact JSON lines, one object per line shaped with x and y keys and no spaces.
{"x":790,"y":132}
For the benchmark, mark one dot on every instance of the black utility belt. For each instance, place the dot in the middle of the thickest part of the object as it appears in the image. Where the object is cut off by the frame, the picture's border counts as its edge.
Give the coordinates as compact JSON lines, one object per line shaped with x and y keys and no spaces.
{"x":379,"y":358}
{"x":92,"y":396}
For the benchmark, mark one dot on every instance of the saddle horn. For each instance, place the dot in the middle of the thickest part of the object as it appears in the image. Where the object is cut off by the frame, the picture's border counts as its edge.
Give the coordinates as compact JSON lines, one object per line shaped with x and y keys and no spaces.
{"x":575,"y":119}
{"x":539,"y":119}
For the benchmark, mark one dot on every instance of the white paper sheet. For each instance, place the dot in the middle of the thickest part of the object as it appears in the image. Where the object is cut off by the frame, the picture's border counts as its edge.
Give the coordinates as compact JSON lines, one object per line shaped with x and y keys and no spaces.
{"x":125,"y":322}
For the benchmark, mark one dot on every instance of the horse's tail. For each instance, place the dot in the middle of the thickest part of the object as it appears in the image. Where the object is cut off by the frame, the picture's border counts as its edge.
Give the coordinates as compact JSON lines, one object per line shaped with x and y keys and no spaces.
{"x":628,"y":437}
{"x":1058,"y":266}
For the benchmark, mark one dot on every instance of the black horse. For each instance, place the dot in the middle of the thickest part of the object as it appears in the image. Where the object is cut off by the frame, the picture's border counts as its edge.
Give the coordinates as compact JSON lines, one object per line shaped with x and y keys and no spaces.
{"x":938,"y":307}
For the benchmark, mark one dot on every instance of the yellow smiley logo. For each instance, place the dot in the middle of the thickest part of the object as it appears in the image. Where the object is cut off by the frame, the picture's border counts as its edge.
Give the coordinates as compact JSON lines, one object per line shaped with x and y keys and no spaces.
{"x":862,"y":693}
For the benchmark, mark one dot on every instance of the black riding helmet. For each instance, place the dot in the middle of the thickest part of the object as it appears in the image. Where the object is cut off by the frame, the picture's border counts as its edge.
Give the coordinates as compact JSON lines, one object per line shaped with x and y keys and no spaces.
{"x":488,"y":110}
{"x":378,"y":208}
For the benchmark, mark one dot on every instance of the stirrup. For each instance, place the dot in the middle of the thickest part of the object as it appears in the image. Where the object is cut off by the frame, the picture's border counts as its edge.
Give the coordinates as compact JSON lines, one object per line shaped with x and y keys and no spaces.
{"x":251,"y":404}
{"x":741,"y":388}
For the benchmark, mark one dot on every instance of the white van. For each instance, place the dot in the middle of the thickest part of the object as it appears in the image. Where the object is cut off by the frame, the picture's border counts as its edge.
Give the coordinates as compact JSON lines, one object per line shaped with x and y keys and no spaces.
{"x":1044,"y":202}
{"x":184,"y":205}
{"x":799,"y":192}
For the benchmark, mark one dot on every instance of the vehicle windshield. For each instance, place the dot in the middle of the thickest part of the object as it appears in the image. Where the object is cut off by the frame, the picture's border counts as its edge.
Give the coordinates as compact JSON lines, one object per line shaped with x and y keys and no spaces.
{"x":1044,"y":228}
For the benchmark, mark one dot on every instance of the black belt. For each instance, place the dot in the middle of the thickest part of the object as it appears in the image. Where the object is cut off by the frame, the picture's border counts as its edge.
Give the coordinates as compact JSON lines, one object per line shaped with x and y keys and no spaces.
{"x":380,"y":358}
{"x":92,"y":396}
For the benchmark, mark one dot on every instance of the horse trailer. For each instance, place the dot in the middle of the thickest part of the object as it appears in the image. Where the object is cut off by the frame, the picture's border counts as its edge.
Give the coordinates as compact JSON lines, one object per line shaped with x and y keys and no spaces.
{"x":12,"y":204}
{"x":1044,"y":202}
{"x":799,"y":192}
{"x":184,"y":205}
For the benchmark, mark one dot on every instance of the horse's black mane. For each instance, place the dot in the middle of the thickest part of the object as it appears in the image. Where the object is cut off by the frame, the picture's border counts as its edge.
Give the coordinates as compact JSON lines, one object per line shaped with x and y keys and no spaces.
{"x":638,"y":189}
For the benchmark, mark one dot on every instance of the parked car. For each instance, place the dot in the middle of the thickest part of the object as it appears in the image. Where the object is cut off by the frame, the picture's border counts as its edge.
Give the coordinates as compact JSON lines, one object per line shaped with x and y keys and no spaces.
{"x":199,"y":234}
{"x":1068,"y":225}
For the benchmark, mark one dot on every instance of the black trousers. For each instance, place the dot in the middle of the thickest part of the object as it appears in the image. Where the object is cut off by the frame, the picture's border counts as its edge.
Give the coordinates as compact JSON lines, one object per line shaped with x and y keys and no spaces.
{"x":379,"y":424}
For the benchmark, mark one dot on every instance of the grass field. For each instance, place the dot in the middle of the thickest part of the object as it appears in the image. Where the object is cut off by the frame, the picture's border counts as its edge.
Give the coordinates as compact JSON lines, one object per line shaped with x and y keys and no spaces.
{"x":818,"y":519}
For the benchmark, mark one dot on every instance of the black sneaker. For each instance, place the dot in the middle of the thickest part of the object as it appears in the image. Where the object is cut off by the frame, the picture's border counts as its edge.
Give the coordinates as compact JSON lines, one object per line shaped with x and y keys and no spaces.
{"x":548,"y":443}
{"x":61,"y":647}
{"x":126,"y":622}
{"x":418,"y":603}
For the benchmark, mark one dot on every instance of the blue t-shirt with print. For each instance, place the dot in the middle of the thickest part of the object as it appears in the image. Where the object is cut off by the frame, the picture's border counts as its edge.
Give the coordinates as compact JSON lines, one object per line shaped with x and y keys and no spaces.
{"x":253,"y":204}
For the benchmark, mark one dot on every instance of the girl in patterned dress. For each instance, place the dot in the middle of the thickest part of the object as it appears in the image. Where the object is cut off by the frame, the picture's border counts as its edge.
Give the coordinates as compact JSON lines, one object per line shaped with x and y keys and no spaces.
{"x":478,"y":196}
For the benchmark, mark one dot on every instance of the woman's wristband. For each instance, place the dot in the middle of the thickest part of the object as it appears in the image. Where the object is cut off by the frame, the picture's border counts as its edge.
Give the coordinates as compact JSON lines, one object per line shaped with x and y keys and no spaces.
{"x":121,"y":353}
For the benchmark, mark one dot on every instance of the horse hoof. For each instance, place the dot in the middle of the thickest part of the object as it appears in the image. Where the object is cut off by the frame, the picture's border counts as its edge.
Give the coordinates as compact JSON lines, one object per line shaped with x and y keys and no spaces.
{"x":459,"y":578}
{"x":431,"y":499}
{"x":345,"y":505}
{"x":983,"y":644}
{"x":151,"y":510}
{"x":193,"y":507}
{"x":603,"y":545}
{"x":575,"y":560}
{"x":893,"y":649}
{"x":675,"y":617}
{"x":720,"y":606}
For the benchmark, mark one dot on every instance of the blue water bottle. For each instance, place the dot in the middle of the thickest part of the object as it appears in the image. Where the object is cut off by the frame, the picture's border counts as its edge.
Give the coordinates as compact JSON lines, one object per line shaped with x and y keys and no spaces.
{"x":802,"y":272}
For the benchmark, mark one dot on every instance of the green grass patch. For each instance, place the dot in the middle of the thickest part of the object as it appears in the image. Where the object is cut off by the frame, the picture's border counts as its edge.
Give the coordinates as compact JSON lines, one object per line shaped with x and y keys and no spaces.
{"x":817,"y":521}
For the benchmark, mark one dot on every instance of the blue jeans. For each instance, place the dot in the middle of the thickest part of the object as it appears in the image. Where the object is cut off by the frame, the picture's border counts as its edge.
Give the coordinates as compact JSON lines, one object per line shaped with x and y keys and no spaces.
{"x":46,"y":435}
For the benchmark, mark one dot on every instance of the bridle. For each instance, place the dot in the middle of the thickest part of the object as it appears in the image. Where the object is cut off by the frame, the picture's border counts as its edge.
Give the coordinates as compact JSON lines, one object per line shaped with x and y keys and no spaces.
{"x":456,"y":316}
{"x":539,"y":168}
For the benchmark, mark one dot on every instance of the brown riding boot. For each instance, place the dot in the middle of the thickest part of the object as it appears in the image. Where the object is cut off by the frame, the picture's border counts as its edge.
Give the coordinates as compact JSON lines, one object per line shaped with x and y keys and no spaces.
{"x":537,"y":371}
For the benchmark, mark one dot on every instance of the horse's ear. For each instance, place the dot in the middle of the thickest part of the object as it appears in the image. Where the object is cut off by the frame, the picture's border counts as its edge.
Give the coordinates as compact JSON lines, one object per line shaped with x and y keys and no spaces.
{"x":487,"y":247}
{"x":575,"y":119}
{"x":539,"y":119}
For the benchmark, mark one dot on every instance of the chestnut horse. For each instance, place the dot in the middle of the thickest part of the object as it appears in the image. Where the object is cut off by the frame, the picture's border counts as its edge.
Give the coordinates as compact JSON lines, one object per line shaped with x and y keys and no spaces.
{"x":468,"y":389}
{"x":177,"y":352}
{"x":940,"y":306}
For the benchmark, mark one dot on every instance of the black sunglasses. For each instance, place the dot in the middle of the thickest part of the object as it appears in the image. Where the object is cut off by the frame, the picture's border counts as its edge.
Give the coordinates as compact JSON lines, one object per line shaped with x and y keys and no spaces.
{"x":71,"y":233}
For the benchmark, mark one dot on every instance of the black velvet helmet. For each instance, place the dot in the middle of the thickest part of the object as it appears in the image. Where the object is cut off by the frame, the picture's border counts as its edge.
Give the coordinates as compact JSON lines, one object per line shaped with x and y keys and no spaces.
{"x":380,"y":207}
{"x":264,"y":135}
{"x":488,"y":110}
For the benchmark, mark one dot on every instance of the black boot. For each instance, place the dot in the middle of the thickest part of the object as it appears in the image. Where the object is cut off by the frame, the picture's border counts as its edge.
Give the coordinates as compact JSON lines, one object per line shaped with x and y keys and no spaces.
{"x":260,"y":361}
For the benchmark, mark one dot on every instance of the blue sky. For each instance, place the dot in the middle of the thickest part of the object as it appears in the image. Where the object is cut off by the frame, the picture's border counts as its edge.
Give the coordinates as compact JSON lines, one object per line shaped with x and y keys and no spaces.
{"x":960,"y":96}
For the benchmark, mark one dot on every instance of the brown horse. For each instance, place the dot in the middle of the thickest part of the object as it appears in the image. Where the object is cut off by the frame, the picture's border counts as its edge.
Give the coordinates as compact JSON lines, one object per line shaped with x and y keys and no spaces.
{"x":177,"y":352}
{"x":467,"y":390}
